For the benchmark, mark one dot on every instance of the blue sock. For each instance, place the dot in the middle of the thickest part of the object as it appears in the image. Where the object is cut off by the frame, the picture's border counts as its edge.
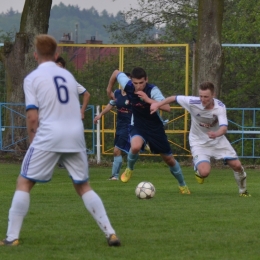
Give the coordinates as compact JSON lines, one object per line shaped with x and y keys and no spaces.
{"x":177,"y":173}
{"x":131,"y":159}
{"x":117,"y":163}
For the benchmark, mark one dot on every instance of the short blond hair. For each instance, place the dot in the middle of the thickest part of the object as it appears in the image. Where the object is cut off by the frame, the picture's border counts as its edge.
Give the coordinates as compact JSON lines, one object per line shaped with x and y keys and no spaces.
{"x":45,"y":45}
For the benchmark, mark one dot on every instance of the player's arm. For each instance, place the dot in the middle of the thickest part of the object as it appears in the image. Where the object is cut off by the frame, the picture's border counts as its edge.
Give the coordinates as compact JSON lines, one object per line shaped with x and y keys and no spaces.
{"x":156,"y":105}
{"x":111,"y":83}
{"x":85,"y":100}
{"x":103,"y":112}
{"x":223,"y":124}
{"x":86,"y":96}
{"x":32,"y":123}
{"x":221,"y":131}
{"x":148,"y":100}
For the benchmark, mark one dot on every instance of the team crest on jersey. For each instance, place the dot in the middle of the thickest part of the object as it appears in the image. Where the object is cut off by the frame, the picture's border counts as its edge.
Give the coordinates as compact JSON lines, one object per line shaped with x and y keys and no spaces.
{"x":127,"y":102}
{"x":212,"y":122}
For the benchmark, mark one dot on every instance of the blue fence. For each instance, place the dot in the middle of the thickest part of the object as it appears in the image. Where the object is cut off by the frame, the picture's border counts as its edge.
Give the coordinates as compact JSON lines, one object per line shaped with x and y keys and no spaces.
{"x":243,"y":133}
{"x":13,"y":121}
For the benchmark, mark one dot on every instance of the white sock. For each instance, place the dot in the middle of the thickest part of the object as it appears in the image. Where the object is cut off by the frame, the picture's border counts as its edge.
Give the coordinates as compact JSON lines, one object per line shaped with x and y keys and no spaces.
{"x":17,"y":212}
{"x":95,"y":206}
{"x":240,"y":178}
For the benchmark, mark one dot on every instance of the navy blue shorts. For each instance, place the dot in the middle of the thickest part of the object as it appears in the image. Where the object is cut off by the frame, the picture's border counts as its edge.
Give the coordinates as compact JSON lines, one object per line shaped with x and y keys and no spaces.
{"x":122,"y":141}
{"x":157,"y":139}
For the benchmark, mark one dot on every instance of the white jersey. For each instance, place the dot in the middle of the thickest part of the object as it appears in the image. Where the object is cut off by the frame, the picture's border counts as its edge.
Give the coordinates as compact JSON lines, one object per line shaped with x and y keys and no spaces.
{"x":53,"y":91}
{"x":81,"y":89}
{"x":204,"y":120}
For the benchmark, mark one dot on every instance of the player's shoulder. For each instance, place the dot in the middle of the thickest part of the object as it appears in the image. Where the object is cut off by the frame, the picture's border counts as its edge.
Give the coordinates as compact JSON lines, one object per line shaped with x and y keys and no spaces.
{"x":151,"y":86}
{"x":219,"y":103}
{"x":192,"y":100}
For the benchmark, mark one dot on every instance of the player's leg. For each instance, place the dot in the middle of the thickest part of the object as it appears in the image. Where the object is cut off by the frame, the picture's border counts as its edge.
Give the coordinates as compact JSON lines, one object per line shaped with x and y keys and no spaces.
{"x":117,"y":163}
{"x":137,"y":142}
{"x":121,"y":143}
{"x":95,"y":207}
{"x":17,"y":212}
{"x":240,"y":176}
{"x":226,"y":152}
{"x":77,"y":166}
{"x":202,"y":170}
{"x":176,"y":171}
{"x":37,"y":166}
{"x":201,"y":160}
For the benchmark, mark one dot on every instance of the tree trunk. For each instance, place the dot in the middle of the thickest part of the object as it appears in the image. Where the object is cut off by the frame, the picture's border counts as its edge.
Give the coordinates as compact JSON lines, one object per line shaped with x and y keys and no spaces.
{"x":209,"y":56}
{"x":19,"y":61}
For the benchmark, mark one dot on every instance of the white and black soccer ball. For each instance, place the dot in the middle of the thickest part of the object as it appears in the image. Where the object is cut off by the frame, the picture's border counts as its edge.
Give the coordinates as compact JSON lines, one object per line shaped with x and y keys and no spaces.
{"x":145,"y":190}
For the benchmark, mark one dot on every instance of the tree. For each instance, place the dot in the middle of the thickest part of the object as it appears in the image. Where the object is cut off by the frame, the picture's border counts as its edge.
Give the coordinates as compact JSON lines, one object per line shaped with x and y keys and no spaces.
{"x":18,"y":56}
{"x":176,"y":21}
{"x":209,"y":58}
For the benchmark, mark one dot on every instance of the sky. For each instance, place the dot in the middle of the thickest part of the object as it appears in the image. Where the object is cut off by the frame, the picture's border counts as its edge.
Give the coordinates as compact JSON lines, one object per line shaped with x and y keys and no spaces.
{"x":112,"y":7}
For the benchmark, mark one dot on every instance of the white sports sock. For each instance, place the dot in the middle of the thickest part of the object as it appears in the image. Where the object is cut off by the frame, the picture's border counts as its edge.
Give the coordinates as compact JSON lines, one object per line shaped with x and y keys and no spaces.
{"x":17,"y":212}
{"x":240,"y":178}
{"x":95,"y":206}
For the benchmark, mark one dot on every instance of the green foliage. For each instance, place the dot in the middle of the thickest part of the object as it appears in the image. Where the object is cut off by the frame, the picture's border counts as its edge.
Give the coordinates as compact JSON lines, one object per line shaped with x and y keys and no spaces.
{"x":172,"y":21}
{"x":165,"y":68}
{"x":169,"y":226}
{"x":240,"y":79}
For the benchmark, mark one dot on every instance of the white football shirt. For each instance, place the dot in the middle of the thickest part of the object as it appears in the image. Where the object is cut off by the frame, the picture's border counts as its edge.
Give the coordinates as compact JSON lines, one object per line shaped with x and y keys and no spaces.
{"x":81,"y":89}
{"x":53,"y":91}
{"x":203,"y":120}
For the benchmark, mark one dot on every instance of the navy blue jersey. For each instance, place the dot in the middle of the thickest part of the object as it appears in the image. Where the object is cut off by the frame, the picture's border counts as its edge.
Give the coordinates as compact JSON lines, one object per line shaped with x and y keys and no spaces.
{"x":124,"y":111}
{"x":141,"y":110}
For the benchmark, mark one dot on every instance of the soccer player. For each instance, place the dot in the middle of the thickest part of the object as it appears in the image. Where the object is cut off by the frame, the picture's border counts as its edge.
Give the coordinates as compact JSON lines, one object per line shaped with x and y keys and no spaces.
{"x":55,"y":132}
{"x":207,"y":134}
{"x":146,"y":128}
{"x":122,"y":137}
{"x":81,"y":90}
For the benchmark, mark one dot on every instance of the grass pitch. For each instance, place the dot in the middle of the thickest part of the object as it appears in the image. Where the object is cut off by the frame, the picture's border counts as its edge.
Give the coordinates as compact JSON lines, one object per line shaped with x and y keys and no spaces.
{"x":211,"y":223}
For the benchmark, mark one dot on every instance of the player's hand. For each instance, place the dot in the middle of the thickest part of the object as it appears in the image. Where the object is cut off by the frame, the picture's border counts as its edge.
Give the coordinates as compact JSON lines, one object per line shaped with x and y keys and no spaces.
{"x":212,"y":135}
{"x":153,"y":108}
{"x":96,"y":119}
{"x":142,"y":96}
{"x":110,"y":94}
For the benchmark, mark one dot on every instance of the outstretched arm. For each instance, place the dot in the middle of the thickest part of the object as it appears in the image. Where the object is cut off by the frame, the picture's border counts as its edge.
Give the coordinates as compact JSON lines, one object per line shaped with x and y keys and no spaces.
{"x":155,"y":106}
{"x":148,"y":100}
{"x":86,"y":97}
{"x":111,"y":83}
{"x":103,"y":112}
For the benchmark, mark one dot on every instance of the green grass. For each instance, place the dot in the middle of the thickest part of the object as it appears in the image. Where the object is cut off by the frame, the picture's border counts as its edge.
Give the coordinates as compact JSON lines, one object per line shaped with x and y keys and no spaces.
{"x":211,"y":223}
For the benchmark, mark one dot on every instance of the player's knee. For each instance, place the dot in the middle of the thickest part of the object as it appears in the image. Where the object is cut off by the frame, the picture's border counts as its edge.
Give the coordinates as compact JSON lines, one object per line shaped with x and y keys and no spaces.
{"x":204,"y":172}
{"x":135,"y":149}
{"x":235,"y":165}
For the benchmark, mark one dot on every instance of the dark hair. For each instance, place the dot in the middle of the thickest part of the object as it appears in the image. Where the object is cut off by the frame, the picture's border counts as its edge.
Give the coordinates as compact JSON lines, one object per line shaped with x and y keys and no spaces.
{"x":61,"y":61}
{"x":138,"y":73}
{"x":207,"y":85}
{"x":128,"y":74}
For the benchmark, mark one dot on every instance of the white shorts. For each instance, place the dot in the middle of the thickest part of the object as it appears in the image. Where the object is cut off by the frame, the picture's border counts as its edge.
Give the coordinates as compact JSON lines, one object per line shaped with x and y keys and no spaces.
{"x":223,"y":150}
{"x":39,"y":165}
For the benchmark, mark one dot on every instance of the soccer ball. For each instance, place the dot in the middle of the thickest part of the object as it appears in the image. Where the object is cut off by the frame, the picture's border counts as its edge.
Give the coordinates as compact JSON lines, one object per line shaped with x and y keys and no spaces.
{"x":145,"y":190}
